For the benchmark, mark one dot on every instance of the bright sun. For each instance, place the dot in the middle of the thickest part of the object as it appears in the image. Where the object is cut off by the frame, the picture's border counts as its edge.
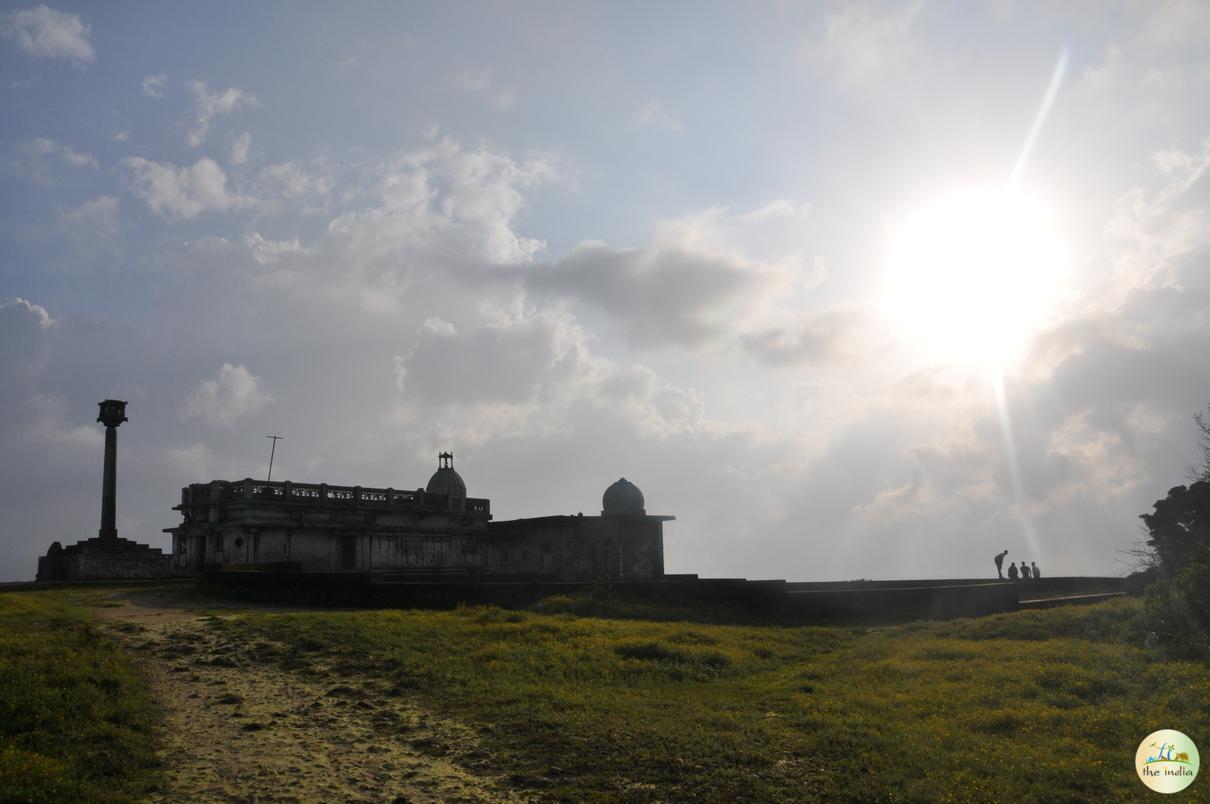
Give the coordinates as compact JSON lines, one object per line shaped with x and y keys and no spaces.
{"x":970,"y":275}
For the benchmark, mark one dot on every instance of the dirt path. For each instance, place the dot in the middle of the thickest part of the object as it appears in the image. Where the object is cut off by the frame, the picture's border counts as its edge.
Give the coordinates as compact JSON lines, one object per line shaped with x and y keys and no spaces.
{"x":239,"y":728}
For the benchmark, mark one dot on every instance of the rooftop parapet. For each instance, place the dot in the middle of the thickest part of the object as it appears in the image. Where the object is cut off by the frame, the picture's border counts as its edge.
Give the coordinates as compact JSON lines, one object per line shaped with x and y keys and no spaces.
{"x":260,"y":492}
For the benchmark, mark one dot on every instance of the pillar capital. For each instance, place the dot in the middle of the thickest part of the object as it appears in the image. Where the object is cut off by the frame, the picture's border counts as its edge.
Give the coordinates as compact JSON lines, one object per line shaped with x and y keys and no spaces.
{"x":113,"y":412}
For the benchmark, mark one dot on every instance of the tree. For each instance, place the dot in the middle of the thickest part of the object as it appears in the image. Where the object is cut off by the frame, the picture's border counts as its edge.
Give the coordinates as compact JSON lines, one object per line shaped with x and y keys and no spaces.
{"x":1178,"y":552}
{"x":1203,"y":440}
{"x":1179,"y":529}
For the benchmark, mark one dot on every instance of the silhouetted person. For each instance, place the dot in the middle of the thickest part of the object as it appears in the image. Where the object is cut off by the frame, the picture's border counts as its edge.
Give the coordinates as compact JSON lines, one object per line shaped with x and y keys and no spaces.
{"x":1037,"y":572}
{"x":1012,"y":571}
{"x":1024,"y":571}
{"x":1000,"y":564}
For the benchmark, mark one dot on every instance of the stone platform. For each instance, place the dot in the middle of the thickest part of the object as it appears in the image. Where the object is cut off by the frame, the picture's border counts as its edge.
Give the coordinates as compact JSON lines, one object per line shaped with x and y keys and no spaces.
{"x":102,"y":560}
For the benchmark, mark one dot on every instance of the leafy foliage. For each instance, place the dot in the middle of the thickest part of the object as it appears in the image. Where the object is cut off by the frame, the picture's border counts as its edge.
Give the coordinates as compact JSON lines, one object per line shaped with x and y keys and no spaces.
{"x":1179,"y":529}
{"x":1178,"y":603}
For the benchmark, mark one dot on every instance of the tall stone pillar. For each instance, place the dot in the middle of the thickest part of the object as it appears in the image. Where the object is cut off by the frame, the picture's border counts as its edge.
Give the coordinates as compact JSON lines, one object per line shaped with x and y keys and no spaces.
{"x":112,"y":414}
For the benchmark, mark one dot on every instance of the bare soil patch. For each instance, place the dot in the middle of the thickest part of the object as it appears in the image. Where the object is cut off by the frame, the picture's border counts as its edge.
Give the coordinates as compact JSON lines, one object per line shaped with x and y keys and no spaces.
{"x":241,"y":727}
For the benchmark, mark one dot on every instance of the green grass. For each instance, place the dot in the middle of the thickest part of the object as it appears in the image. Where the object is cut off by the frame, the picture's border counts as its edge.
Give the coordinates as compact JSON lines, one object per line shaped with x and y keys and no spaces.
{"x":76,"y":723}
{"x":1033,"y":705}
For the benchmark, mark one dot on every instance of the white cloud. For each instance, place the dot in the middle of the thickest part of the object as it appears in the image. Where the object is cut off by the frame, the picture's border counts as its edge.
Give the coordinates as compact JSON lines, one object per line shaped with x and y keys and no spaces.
{"x":154,"y":86}
{"x":97,"y":217}
{"x":234,"y":394}
{"x":836,"y":334}
{"x":239,"y":148}
{"x":652,"y":114}
{"x":861,"y":40}
{"x":1154,"y":229}
{"x":182,"y":193}
{"x":39,"y":158}
{"x":778,"y":209}
{"x":289,"y":180}
{"x":36,"y":311}
{"x":267,"y":252}
{"x":442,"y":206}
{"x":209,"y":105}
{"x":70,"y":156}
{"x":46,"y":33}
{"x":44,"y":161}
{"x":472,"y":80}
{"x":482,"y":81}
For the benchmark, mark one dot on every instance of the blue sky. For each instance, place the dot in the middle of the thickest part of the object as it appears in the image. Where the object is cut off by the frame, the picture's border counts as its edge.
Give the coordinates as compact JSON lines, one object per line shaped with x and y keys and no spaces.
{"x":756,"y":258}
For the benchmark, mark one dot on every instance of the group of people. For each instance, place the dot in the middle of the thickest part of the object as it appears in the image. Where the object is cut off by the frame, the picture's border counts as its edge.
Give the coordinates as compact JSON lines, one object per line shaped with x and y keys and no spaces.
{"x":1026,"y":572}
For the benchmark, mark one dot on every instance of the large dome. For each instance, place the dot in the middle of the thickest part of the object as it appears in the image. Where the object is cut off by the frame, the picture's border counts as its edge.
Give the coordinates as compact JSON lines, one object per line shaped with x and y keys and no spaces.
{"x":623,"y":497}
{"x":445,"y":480}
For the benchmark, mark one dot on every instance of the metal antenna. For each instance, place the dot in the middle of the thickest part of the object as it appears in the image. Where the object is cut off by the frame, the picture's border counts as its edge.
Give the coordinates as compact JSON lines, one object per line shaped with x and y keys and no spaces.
{"x":273,"y":450}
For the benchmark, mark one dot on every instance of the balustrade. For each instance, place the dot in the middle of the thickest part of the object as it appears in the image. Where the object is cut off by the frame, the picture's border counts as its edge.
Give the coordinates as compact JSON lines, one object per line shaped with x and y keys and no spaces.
{"x":286,"y":491}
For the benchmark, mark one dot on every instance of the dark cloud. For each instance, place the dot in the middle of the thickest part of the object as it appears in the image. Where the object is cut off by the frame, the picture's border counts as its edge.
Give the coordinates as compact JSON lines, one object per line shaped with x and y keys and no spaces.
{"x":504,"y":363}
{"x":660,"y":295}
{"x":824,"y":337}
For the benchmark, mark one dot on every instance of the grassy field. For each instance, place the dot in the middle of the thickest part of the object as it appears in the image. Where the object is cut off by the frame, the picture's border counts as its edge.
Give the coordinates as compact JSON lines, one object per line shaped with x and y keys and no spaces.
{"x":75,"y":721}
{"x":1033,"y":705}
{"x":1041,"y":705}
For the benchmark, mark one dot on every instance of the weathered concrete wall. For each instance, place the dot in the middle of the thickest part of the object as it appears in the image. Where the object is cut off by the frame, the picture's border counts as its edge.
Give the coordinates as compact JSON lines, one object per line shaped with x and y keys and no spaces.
{"x":903,"y":602}
{"x":767,"y":600}
{"x":578,"y":547}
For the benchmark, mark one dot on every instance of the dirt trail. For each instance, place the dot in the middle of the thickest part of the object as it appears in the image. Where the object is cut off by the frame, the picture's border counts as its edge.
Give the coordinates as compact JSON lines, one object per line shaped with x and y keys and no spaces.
{"x":240,"y":728}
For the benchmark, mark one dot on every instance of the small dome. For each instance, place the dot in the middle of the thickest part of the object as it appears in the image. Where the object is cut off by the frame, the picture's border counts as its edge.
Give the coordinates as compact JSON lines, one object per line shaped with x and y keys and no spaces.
{"x":445,"y":480}
{"x":622,"y":497}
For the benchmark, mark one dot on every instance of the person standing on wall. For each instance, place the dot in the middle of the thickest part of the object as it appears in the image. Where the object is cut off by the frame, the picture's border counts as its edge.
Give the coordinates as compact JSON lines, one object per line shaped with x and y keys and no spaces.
{"x":1000,"y":564}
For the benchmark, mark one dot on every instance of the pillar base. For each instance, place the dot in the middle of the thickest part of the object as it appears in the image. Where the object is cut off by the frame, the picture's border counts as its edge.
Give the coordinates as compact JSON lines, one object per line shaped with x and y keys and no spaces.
{"x":103,"y":559}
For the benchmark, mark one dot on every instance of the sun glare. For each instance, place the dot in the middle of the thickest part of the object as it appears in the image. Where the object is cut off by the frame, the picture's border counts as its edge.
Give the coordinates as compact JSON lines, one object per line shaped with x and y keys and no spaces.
{"x":971,"y":274}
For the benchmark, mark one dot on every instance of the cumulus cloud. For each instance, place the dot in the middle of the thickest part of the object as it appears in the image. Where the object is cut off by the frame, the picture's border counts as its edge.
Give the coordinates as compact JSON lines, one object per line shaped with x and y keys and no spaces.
{"x":443,"y":205}
{"x":1156,"y":227}
{"x":531,"y":376}
{"x":662,"y":294}
{"x":46,"y":33}
{"x":267,"y":252}
{"x":481,"y":81}
{"x":65,"y":153}
{"x":831,"y":335}
{"x":235,"y":393}
{"x":154,"y":86}
{"x":652,"y":114}
{"x":859,"y":40}
{"x":181,"y":193}
{"x":239,"y":148}
{"x":43,"y":160}
{"x":507,"y":363}
{"x":209,"y":105}
{"x":290,"y":180}
{"x":36,"y":312}
{"x":97,"y":217}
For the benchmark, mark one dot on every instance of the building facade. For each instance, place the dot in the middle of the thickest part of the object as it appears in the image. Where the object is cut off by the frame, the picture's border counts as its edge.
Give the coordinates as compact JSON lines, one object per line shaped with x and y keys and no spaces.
{"x":394,"y":533}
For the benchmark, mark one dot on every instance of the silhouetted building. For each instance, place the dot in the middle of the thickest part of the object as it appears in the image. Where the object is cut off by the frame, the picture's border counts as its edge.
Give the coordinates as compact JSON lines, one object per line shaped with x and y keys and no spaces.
{"x":435,"y":530}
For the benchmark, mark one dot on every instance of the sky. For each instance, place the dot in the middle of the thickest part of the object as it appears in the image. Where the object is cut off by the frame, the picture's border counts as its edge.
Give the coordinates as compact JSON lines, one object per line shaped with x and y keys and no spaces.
{"x":853,"y":290}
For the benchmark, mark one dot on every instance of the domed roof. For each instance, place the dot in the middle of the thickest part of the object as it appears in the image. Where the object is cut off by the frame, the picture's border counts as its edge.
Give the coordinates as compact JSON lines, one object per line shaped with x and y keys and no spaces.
{"x":445,"y":480}
{"x":623,"y":497}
